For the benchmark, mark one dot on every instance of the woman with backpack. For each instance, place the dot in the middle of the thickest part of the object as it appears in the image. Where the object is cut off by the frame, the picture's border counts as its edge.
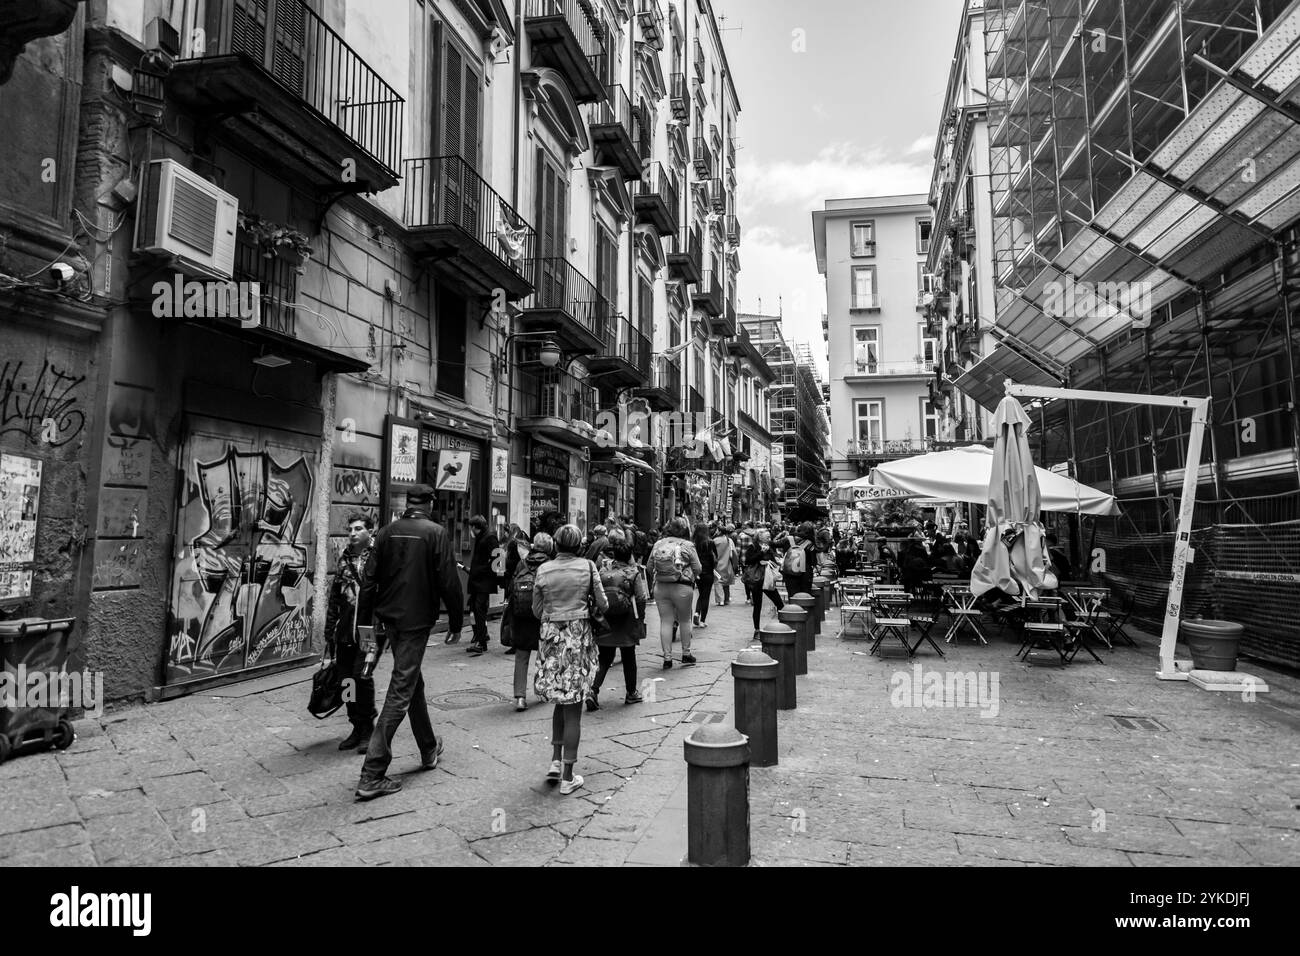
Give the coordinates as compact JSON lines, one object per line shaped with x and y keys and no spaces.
{"x":519,"y":623}
{"x":760,"y":559}
{"x":708,"y":553}
{"x":799,"y":560}
{"x":625,"y":590}
{"x":568,"y":595}
{"x":676,"y":567}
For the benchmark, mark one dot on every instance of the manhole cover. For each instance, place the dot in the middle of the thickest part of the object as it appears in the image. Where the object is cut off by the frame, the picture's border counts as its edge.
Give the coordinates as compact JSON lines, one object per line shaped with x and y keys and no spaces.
{"x":464,"y":699}
{"x":705,"y":717}
{"x":1127,"y":722}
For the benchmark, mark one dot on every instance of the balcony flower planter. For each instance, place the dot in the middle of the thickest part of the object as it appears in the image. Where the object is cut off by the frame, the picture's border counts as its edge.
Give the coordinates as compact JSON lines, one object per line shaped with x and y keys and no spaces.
{"x":1213,"y":644}
{"x":276,"y":241}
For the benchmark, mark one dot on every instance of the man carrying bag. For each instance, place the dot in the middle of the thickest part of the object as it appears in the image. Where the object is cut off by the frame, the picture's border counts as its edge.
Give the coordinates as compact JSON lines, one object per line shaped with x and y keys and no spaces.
{"x":411,"y":571}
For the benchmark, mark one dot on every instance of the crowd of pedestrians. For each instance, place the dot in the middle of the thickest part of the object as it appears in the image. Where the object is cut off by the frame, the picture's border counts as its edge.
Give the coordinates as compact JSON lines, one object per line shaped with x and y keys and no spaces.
{"x":573,"y":602}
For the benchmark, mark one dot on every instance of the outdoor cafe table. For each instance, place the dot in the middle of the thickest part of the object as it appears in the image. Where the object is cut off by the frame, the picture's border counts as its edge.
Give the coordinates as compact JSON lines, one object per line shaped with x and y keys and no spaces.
{"x":964,"y":613}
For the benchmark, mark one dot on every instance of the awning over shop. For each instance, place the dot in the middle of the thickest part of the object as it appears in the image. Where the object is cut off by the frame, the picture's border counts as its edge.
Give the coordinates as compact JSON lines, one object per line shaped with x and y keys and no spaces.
{"x":985,"y":381}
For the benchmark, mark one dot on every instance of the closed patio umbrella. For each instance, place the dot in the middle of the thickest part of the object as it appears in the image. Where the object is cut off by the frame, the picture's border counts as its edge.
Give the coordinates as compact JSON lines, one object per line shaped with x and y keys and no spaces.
{"x":1013,"y":555}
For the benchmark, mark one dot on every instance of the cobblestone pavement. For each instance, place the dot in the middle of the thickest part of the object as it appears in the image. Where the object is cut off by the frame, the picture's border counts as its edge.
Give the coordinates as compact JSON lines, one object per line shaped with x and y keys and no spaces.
{"x":1051,"y":779}
{"x":243,"y":775}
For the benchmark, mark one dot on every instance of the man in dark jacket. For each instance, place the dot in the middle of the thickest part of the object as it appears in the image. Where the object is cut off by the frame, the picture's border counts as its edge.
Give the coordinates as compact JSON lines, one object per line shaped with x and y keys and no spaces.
{"x":482,"y":580}
{"x":411,"y":570}
{"x":341,"y":620}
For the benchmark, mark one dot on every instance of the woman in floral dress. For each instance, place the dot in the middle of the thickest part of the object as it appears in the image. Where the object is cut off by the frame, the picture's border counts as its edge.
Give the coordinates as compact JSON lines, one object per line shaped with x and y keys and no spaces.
{"x":566,"y":596}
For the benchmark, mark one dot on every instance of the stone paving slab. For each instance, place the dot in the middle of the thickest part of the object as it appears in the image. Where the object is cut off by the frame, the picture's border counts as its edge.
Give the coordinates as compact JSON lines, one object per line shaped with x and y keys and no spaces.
{"x":1048,"y":779}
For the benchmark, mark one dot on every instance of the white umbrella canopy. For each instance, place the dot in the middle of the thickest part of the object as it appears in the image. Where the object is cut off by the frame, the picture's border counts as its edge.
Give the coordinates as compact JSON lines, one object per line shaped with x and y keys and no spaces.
{"x":964,"y":474}
{"x":1013,"y":557}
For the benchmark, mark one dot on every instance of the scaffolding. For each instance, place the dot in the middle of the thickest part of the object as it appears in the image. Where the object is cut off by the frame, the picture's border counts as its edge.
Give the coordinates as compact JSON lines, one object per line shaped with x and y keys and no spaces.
{"x":1145,"y":161}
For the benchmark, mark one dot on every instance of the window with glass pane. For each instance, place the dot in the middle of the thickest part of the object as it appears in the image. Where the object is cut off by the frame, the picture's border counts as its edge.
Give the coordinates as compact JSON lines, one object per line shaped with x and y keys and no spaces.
{"x":923,"y":227}
{"x":929,"y":419}
{"x":925,"y":282}
{"x":864,"y":287}
{"x":863,"y":238}
{"x":871,"y":422}
{"x":929,"y":351}
{"x":866,"y":349}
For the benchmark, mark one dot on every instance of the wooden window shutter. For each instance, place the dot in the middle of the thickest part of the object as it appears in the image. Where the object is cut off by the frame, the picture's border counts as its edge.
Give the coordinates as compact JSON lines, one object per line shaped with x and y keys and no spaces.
{"x":289,"y":47}
{"x":473,"y":103}
{"x":452,"y":92}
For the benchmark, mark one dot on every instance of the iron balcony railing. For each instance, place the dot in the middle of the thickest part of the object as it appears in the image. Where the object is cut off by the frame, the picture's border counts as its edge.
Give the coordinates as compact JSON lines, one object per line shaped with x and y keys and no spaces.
{"x":690,"y":249}
{"x":894,"y":368}
{"x":731,"y":152}
{"x":666,"y":375}
{"x":902,"y":448}
{"x":560,"y":287}
{"x":733,"y":230}
{"x":650,"y":18}
{"x":717,"y":196}
{"x":680,"y":97}
{"x":864,"y":300}
{"x":614,"y":110}
{"x":278,"y":281}
{"x":865,"y":249}
{"x":551,"y":393}
{"x":445,"y":190}
{"x":699,"y":60}
{"x":577,"y":13}
{"x":703,"y":158}
{"x":694,"y":400}
{"x":660,"y":181}
{"x":306,"y":56}
{"x":625,"y":341}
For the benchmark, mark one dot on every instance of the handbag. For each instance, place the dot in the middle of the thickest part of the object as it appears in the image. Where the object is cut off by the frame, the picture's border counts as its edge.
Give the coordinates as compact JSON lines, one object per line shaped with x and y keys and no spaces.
{"x":326,"y":691}
{"x":769,"y":576}
{"x":599,"y":623}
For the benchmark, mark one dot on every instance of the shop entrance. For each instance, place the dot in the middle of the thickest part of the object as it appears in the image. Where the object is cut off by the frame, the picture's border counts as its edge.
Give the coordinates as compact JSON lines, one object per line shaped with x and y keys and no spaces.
{"x":241,"y":593}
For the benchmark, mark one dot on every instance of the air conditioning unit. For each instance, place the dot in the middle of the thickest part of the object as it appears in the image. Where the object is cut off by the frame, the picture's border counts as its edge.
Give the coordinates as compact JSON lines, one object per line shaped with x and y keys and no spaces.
{"x":187,"y":218}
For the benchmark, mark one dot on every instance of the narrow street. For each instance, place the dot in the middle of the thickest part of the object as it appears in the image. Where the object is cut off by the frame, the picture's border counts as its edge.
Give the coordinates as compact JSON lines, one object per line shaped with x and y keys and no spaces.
{"x":1045,"y":777}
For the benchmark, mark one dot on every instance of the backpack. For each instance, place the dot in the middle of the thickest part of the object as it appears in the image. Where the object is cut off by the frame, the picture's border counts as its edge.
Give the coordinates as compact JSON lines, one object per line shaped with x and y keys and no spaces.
{"x":618,"y":591}
{"x":668,"y":561}
{"x":796,"y":561}
{"x":521,"y":598}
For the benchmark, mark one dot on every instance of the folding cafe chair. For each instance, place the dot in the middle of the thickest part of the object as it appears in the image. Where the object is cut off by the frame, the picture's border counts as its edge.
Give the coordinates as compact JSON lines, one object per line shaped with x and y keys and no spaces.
{"x":965,"y":615}
{"x":856,"y":615}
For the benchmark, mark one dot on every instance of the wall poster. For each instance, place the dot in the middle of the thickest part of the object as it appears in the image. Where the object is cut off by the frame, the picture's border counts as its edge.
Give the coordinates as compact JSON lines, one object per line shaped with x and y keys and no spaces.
{"x":20,"y":492}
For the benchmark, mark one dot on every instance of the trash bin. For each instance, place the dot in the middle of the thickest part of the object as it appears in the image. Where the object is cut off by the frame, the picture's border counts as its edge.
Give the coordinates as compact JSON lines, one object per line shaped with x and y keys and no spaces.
{"x":1213,"y":644}
{"x":29,"y":645}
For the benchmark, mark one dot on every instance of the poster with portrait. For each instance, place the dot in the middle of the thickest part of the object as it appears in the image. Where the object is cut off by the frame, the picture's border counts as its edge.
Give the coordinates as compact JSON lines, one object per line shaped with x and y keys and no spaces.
{"x":20,"y":493}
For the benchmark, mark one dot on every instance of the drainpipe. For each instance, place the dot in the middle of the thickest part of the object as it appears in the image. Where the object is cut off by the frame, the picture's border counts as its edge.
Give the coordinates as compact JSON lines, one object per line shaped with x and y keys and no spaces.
{"x":517,"y":96}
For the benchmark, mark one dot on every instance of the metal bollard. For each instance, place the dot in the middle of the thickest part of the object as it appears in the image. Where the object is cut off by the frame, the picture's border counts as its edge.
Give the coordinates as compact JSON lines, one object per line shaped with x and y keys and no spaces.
{"x":818,"y":593}
{"x":801,"y":623}
{"x":755,"y":678}
{"x":779,"y":643}
{"x":717,"y":796}
{"x":809,"y":603}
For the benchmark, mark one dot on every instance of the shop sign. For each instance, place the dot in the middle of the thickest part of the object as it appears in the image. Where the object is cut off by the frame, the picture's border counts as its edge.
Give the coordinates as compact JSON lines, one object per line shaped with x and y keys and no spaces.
{"x":550,"y":463}
{"x":453,"y":471}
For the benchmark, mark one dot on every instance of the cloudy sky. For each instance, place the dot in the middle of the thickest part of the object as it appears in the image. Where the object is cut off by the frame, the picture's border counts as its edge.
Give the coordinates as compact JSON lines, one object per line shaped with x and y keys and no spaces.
{"x":854,"y":114}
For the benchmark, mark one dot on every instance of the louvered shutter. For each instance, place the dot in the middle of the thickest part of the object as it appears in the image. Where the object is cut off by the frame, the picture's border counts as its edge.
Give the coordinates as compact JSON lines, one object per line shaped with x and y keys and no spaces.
{"x":470,"y":198}
{"x":452,"y":145}
{"x":289,"y":51}
{"x":248,"y":28}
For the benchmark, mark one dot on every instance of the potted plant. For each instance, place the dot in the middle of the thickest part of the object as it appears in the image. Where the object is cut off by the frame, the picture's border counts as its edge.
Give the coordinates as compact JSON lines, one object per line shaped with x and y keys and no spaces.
{"x":1213,"y":644}
{"x":277,"y":241}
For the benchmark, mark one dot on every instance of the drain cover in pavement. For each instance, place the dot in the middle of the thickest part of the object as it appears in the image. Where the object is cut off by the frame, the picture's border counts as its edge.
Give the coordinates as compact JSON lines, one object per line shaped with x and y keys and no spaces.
{"x":464,"y":699}
{"x":1136,"y":723}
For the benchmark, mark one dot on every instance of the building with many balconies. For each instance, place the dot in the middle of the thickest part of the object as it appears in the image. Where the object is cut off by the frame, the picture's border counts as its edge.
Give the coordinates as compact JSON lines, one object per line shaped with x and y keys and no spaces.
{"x":881,"y":354}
